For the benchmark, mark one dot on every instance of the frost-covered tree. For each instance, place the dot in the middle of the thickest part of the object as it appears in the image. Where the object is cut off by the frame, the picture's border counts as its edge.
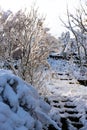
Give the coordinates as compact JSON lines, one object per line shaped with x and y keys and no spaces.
{"x":77,"y":24}
{"x":21,"y":35}
{"x":65,"y":39}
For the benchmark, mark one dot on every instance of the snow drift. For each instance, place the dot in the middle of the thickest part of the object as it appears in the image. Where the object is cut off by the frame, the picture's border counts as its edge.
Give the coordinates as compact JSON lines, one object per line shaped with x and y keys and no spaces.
{"x":21,"y":108}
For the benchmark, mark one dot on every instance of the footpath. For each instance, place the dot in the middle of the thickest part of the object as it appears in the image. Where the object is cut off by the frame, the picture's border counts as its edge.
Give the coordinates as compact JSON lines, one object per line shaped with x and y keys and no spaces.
{"x":68,"y":97}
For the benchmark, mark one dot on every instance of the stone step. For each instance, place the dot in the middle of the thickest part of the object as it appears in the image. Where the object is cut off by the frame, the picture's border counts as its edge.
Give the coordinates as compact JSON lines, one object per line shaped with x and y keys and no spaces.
{"x":71,"y":112}
{"x":74,"y":118}
{"x":69,"y":106}
{"x":77,"y":125}
{"x":68,"y":112}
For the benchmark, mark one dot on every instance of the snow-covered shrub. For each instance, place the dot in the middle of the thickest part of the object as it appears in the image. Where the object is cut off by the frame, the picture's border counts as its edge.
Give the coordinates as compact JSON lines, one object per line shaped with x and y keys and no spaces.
{"x":21,"y":108}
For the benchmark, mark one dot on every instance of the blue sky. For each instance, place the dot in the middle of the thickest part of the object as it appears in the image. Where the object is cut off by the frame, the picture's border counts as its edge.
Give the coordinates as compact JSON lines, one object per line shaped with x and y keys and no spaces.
{"x":51,"y":8}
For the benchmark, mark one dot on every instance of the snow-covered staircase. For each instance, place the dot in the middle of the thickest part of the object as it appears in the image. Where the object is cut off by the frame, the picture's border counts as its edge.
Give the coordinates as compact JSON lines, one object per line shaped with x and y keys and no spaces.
{"x":68,"y":108}
{"x":68,"y":96}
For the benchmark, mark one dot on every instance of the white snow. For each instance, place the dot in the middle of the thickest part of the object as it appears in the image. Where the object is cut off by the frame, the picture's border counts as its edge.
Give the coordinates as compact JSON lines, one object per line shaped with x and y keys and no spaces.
{"x":63,"y":84}
{"x":21,"y":107}
{"x":63,"y":78}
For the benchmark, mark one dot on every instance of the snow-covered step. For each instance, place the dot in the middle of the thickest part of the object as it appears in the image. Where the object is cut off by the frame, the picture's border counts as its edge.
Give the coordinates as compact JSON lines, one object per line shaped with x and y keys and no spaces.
{"x":71,"y":117}
{"x":77,"y":125}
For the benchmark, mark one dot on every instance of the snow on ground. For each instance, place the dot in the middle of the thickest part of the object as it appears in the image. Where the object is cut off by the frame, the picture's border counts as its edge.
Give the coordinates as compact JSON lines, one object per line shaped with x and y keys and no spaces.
{"x":68,"y":97}
{"x":63,"y":78}
{"x":21,"y":108}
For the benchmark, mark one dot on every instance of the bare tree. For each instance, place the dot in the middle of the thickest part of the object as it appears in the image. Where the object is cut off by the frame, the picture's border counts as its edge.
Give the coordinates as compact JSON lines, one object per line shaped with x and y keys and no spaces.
{"x":65,"y":39}
{"x":77,"y":24}
{"x":23,"y":33}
